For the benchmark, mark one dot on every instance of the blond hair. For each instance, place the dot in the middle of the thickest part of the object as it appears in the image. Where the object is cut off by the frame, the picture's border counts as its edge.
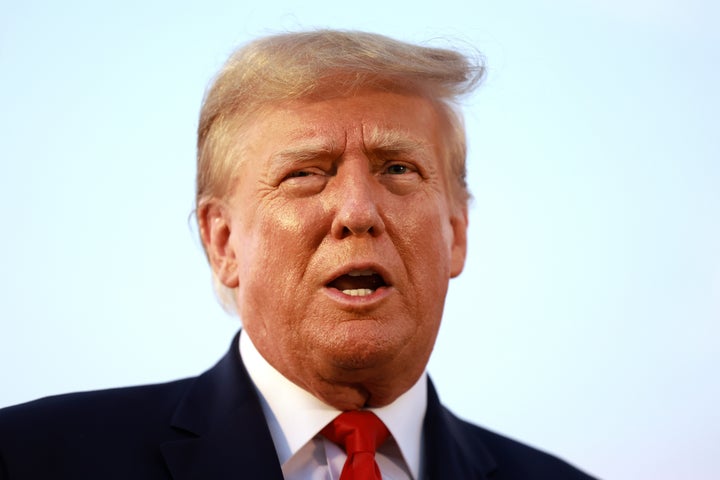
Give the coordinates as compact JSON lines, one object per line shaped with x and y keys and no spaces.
{"x":327,"y":62}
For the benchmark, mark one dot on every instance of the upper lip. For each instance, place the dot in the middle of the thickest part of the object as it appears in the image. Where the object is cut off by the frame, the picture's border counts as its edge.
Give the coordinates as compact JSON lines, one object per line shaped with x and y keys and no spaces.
{"x":360,"y":266}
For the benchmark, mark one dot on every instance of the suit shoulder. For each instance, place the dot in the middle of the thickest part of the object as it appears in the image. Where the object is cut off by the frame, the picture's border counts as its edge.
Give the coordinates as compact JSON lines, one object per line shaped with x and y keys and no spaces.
{"x":112,"y":433}
{"x":515,"y":459}
{"x":107,"y":408}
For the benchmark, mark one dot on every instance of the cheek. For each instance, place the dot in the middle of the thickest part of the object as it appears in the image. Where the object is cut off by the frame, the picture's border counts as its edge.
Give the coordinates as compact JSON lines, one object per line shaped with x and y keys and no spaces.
{"x":276,"y":247}
{"x":426,"y":244}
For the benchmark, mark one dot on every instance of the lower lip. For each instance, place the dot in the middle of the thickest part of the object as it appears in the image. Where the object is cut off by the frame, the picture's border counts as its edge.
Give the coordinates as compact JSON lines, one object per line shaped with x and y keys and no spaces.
{"x":357,"y":301}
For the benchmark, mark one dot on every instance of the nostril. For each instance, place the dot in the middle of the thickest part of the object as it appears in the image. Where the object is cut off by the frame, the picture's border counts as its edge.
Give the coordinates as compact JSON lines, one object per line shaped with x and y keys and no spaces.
{"x":357,"y":230}
{"x":353,"y":219}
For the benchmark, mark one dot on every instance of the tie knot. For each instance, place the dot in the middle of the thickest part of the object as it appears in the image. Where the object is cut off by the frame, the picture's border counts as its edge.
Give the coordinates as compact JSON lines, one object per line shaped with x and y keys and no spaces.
{"x":357,"y":431}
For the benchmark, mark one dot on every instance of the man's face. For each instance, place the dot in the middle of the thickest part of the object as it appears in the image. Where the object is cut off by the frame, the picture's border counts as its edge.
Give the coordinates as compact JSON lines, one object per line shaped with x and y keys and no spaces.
{"x":341,"y":237}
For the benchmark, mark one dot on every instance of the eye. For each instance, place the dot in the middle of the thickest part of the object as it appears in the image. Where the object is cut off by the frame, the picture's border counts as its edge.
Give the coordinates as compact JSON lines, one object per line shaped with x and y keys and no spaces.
{"x":304,"y":181}
{"x":304,"y":173}
{"x":397,"y":169}
{"x":300,"y":173}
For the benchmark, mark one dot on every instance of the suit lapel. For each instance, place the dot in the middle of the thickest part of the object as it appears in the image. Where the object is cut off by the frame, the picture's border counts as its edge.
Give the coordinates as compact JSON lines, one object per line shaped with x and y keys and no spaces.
{"x":450,"y":449}
{"x":227,"y":436}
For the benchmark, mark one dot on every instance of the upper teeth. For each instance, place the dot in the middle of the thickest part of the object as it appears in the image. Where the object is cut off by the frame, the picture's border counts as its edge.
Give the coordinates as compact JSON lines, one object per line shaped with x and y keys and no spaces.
{"x":361,"y":273}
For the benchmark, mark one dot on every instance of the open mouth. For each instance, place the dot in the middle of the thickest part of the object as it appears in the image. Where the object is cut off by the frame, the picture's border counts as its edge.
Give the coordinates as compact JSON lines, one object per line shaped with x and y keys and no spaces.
{"x":358,"y":283}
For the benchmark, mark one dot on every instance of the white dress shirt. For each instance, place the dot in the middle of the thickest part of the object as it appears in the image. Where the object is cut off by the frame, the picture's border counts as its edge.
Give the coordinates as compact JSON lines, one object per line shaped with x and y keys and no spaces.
{"x":295,"y":418}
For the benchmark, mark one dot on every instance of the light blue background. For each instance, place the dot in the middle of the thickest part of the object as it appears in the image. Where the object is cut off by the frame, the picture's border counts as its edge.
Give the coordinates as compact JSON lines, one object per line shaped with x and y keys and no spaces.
{"x":586,"y":321}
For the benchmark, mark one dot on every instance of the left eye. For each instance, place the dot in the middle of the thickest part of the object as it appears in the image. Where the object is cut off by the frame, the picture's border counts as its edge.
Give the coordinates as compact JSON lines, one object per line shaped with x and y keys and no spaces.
{"x":397,"y":169}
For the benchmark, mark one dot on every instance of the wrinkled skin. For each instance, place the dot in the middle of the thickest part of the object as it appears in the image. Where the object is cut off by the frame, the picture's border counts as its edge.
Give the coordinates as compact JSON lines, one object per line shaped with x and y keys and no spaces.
{"x":329,"y":187}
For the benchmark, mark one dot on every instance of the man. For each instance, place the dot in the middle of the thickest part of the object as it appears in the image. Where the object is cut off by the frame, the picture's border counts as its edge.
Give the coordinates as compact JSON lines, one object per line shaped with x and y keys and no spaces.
{"x":332,"y":206}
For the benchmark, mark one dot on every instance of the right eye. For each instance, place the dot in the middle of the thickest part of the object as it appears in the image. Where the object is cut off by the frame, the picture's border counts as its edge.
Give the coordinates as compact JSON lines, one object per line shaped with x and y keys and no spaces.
{"x":306,"y":181}
{"x":301,"y":173}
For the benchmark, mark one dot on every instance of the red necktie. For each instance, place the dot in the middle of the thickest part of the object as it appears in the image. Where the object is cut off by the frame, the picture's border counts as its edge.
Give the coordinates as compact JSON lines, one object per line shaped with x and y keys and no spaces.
{"x":360,"y":433}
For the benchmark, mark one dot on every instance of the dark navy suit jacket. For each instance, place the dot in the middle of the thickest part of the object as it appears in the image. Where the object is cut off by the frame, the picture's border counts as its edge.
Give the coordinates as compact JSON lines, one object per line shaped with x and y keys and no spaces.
{"x":212,"y":427}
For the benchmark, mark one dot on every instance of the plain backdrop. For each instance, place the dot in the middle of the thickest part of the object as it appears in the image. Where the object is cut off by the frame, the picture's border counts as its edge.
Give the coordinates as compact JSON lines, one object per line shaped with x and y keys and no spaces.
{"x":587,"y":319}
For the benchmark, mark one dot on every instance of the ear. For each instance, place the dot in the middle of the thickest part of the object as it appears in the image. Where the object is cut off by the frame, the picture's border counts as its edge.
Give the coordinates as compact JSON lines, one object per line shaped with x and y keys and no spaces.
{"x":215,"y":229}
{"x":459,"y":225}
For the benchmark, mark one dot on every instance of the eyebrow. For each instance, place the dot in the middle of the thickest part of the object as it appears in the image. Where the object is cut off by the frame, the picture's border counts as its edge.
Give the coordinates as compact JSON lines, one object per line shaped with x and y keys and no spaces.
{"x":389,"y":140}
{"x":308,"y":150}
{"x":378,"y":139}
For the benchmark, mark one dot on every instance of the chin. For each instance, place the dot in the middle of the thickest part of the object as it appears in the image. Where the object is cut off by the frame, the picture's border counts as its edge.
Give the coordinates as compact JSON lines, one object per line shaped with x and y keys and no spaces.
{"x":357,"y":350}
{"x":365,"y":360}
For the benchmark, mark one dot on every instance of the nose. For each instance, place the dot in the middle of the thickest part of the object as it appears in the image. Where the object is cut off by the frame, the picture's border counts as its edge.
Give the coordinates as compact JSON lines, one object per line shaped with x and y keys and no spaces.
{"x":357,"y":211}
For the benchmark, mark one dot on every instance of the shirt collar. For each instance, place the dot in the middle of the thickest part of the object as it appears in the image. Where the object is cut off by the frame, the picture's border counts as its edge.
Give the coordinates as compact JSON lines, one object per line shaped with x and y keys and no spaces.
{"x":295,"y":416}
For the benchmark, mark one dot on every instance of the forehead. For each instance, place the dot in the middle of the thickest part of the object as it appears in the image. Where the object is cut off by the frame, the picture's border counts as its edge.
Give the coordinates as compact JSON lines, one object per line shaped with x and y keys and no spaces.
{"x":380,"y":120}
